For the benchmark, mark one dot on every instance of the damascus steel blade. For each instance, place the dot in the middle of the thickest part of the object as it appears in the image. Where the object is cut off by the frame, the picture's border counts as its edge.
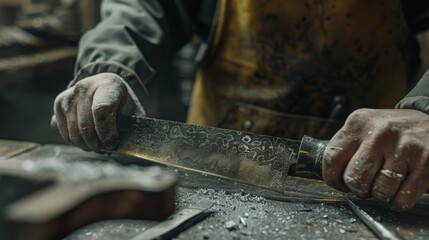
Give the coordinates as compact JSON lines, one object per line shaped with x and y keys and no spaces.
{"x":241,"y":156}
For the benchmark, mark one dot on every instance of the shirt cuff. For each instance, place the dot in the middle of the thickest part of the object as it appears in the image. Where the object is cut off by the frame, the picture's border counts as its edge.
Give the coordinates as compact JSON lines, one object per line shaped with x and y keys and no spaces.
{"x":131,"y":78}
{"x":420,"y":103}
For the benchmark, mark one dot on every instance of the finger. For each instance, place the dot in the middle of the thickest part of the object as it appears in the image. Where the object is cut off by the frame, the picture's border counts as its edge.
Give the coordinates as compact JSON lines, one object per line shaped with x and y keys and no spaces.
{"x":336,"y":156}
{"x":385,"y":188}
{"x":414,"y":186}
{"x":61,"y":118}
{"x":362,"y":169}
{"x":131,"y":106}
{"x":86,"y":121}
{"x":69,"y":109}
{"x":105,"y":105}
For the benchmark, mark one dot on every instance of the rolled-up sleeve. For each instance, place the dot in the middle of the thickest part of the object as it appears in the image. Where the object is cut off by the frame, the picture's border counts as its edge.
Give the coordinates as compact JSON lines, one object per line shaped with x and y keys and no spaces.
{"x":418,"y":97}
{"x":133,"y":40}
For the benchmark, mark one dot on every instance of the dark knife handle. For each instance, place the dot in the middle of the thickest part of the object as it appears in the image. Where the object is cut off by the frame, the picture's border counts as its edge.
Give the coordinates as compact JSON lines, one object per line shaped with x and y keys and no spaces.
{"x":310,"y":155}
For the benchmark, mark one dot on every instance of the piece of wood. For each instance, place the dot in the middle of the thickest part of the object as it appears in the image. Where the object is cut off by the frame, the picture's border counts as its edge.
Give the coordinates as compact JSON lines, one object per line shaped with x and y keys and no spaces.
{"x":79,"y":189}
{"x":89,"y":14}
{"x":46,"y":58}
{"x":9,"y":149}
{"x":11,"y":3}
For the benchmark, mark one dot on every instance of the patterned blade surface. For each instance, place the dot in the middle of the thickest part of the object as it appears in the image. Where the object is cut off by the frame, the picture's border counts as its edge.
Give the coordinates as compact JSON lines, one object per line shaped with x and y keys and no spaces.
{"x":255,"y":159}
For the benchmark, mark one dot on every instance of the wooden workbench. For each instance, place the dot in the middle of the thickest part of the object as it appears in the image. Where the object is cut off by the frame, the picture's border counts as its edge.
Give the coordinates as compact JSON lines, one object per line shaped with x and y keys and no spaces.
{"x":239,"y":213}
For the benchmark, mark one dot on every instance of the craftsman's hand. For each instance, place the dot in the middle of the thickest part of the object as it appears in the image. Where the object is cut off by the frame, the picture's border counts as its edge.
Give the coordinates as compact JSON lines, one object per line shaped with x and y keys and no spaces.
{"x":86,"y":113}
{"x":373,"y":140}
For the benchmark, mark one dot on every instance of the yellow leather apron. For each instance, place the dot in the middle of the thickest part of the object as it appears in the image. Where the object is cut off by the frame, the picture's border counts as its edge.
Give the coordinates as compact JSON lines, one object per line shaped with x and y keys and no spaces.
{"x":278,"y":67}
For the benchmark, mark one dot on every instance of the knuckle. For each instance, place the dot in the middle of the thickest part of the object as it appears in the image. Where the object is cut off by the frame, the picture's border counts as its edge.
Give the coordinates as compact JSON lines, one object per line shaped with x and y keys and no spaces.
{"x":57,"y":100}
{"x":350,"y":180}
{"x":57,"y":106}
{"x":359,"y":115}
{"x":103,"y":110}
{"x":86,"y":129}
{"x":359,"y":120}
{"x":340,"y":136}
{"x":363,"y":112}
{"x":81,"y":87}
{"x":63,"y":93}
{"x":408,"y":143}
{"x":114,"y":81}
{"x":331,"y":158}
{"x":413,"y":152}
{"x":67,"y":103}
{"x":329,"y":155}
{"x":356,"y":185}
{"x":388,"y":128}
{"x":108,"y":78}
{"x":394,"y":127}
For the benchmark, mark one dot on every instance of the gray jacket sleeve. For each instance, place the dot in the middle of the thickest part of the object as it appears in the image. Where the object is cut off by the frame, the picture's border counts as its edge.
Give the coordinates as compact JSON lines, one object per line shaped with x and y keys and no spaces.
{"x":418,"y":97}
{"x":133,"y":39}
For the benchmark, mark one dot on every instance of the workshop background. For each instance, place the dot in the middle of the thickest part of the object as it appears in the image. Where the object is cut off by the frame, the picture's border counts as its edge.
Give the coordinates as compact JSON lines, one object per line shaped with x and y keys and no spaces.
{"x":38,"y":46}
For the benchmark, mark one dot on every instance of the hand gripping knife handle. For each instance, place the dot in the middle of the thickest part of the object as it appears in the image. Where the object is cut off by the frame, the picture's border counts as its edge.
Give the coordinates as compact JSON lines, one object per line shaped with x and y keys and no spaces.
{"x":310,"y":155}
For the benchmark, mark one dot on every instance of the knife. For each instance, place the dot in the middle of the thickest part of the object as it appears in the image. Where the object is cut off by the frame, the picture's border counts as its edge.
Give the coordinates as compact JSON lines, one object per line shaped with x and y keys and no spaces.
{"x":255,"y":159}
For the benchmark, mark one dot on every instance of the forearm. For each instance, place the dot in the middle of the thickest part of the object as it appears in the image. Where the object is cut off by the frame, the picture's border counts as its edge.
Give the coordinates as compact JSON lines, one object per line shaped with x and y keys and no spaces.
{"x":133,"y":40}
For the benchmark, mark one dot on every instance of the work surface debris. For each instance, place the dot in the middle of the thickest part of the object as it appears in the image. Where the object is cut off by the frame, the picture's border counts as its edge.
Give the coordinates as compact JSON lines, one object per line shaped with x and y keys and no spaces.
{"x":245,"y":216}
{"x":239,"y":211}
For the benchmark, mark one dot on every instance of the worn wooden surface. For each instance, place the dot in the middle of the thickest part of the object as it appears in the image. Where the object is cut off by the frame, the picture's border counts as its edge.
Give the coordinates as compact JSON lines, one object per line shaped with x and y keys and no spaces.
{"x":73,"y":193}
{"x":38,"y":63}
{"x":239,"y":212}
{"x":10,"y":149}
